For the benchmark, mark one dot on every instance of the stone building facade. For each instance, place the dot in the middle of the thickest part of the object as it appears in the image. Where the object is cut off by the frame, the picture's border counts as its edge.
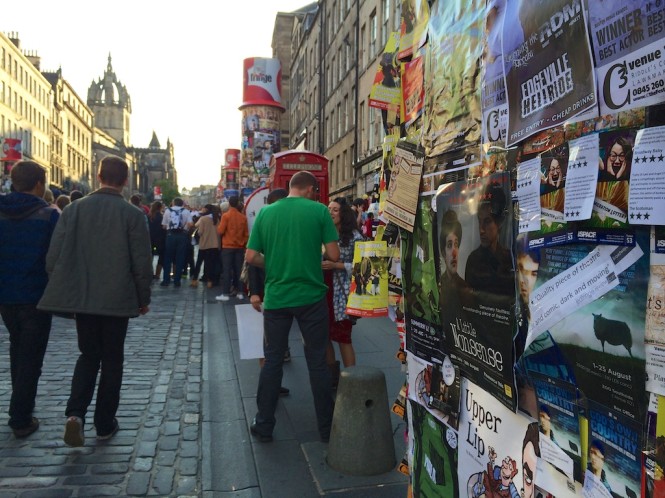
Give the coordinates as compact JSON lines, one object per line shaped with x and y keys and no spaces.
{"x":26,"y":101}
{"x":71,"y":137}
{"x":336,"y":47}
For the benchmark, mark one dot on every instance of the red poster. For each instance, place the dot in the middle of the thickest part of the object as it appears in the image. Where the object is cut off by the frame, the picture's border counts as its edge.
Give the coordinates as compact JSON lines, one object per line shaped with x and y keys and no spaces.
{"x":11,"y":149}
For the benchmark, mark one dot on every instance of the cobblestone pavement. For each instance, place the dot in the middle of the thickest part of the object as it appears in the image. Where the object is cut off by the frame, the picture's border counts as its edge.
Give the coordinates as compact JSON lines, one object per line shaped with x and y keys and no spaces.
{"x":157,"y":450}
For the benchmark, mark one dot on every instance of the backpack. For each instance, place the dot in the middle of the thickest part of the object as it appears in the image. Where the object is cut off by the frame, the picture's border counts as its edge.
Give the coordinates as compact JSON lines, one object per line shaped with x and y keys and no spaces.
{"x":175,"y":219}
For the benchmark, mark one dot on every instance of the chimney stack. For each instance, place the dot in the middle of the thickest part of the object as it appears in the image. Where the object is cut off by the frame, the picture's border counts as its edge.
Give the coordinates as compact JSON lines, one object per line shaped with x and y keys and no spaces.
{"x":13,"y":37}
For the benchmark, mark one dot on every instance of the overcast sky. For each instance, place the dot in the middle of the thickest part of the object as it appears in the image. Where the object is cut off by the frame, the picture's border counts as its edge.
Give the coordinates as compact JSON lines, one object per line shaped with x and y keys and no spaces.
{"x":180,"y":61}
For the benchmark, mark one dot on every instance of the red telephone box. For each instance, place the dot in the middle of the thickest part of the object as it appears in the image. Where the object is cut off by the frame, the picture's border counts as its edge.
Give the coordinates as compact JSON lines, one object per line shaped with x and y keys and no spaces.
{"x":283,"y":165}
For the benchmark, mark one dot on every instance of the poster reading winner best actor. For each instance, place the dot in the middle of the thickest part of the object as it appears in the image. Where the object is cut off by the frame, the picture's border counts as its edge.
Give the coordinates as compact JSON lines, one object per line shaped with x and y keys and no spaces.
{"x":547,"y":64}
{"x":474,"y":220}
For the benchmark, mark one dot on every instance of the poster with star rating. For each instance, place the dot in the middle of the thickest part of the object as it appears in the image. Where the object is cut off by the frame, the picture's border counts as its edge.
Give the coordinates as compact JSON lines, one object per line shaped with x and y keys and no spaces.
{"x":609,"y":222}
{"x":528,"y":195}
{"x":582,"y":178}
{"x":553,"y":229}
{"x":646,"y":198}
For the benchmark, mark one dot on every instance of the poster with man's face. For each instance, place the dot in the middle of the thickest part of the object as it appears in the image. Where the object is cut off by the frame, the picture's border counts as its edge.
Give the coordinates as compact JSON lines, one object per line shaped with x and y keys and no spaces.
{"x":477,"y":280}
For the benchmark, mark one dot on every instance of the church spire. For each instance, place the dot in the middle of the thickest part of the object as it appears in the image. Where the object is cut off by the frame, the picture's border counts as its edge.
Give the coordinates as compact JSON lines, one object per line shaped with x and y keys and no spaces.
{"x":154,"y":143}
{"x":108,"y":66}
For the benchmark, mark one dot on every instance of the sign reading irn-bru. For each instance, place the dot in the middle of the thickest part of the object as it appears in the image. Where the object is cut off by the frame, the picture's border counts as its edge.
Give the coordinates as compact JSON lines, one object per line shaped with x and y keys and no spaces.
{"x":262,"y":82}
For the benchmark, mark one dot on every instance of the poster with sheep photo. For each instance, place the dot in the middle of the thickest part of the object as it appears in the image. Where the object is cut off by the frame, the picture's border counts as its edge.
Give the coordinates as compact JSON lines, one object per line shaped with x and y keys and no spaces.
{"x":604,"y":339}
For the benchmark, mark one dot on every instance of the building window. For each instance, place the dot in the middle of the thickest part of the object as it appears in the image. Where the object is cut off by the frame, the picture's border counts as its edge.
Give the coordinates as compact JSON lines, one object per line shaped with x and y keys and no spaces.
{"x":353,"y":105}
{"x":386,"y":22}
{"x":361,"y":113}
{"x":334,"y":15}
{"x":328,"y":133}
{"x":363,"y":49}
{"x":397,"y":18}
{"x":345,"y":165}
{"x":346,"y":114}
{"x":329,"y":78}
{"x":339,"y":120}
{"x":372,"y":34}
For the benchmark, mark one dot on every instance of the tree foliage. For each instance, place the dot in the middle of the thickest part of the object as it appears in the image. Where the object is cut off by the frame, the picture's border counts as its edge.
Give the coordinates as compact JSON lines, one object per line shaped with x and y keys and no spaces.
{"x":169,"y":191}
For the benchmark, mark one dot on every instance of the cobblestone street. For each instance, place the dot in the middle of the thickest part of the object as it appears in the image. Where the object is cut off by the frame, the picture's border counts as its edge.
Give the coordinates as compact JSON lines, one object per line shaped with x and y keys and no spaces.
{"x":157,"y":450}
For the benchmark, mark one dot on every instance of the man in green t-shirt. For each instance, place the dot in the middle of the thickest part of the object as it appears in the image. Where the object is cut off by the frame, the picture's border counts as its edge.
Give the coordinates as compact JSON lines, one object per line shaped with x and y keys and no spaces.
{"x":286,"y":240}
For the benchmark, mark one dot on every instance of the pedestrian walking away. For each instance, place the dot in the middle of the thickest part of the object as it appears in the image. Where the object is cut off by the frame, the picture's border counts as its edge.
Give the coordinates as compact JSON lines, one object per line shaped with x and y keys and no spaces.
{"x":100,"y":270}
{"x":235,"y":232}
{"x":177,"y":222}
{"x":26,"y":225}
{"x":286,"y":241}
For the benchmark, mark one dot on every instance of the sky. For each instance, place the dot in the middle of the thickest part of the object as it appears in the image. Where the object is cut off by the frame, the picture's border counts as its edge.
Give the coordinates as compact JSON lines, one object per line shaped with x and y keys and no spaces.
{"x":181,"y":63}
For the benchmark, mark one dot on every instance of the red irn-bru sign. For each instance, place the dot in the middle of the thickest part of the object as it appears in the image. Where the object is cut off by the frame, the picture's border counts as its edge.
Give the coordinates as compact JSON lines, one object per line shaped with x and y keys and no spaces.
{"x":262,"y":82}
{"x":283,"y":165}
{"x":11,"y":149}
{"x":232,"y":158}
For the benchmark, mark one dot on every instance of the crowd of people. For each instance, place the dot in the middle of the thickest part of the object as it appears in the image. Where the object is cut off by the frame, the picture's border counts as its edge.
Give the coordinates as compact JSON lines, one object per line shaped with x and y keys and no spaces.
{"x":50,"y":262}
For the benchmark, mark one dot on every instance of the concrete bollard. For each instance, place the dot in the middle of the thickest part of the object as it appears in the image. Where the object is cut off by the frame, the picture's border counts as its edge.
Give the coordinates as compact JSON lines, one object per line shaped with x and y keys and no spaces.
{"x":361,"y":438}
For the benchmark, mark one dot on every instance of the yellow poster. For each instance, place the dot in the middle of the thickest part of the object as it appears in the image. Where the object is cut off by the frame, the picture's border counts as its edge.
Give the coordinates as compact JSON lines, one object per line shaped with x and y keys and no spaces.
{"x":368,"y":295}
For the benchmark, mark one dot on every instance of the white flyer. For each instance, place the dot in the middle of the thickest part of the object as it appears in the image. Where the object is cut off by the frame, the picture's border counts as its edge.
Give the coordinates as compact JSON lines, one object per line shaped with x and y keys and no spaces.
{"x":646,"y":197}
{"x":528,"y":195}
{"x":581,"y":178}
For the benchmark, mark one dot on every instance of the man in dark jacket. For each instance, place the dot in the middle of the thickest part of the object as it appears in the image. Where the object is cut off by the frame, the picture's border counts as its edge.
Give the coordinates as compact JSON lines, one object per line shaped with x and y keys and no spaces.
{"x":26,"y":225}
{"x":100,"y":269}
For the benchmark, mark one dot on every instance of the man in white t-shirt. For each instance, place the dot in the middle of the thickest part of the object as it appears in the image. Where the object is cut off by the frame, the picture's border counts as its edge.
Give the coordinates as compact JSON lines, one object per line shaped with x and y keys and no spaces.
{"x":176,"y":221}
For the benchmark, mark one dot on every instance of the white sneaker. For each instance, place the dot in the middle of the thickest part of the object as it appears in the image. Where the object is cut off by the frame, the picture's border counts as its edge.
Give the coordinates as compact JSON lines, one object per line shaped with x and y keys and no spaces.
{"x":240,"y":296}
{"x":222,"y":297}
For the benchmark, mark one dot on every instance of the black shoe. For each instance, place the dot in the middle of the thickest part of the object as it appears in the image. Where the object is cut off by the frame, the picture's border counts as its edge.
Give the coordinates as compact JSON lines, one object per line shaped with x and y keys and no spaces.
{"x":283,"y":391}
{"x":109,"y":435}
{"x":176,"y":284}
{"x":28,"y":429}
{"x":164,"y":284}
{"x":325,"y":439}
{"x":263,"y":438}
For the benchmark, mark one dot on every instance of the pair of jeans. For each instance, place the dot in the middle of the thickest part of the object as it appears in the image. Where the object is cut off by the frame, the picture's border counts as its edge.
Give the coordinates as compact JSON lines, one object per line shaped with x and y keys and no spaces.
{"x":313,"y":323}
{"x":175,"y":251}
{"x":29,"y":330}
{"x":101,"y":341}
{"x":231,"y":267}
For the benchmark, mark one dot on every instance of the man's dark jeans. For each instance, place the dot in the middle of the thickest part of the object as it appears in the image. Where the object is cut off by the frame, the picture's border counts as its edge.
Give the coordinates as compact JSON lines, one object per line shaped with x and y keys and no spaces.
{"x":101,"y":340}
{"x":231,"y":266}
{"x":313,"y":322}
{"x":175,"y":252}
{"x":29,"y":330}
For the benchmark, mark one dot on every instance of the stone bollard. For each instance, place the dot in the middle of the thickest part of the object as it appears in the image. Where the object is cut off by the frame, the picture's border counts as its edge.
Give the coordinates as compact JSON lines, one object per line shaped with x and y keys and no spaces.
{"x":361,"y":438}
